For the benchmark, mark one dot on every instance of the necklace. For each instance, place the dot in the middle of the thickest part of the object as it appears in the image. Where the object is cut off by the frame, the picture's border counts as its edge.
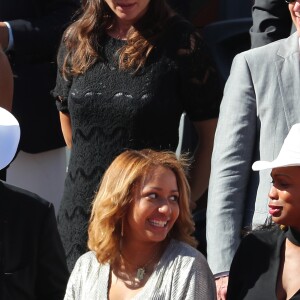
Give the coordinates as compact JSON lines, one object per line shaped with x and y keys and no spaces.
{"x":293,"y":236}
{"x":141,"y":271}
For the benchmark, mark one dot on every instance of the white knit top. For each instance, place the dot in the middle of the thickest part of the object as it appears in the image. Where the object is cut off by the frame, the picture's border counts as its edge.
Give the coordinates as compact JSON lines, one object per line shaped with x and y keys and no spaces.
{"x":182,"y":273}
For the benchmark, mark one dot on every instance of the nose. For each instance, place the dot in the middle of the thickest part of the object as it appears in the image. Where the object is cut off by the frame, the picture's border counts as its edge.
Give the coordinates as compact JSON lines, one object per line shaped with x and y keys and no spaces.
{"x":273,"y":194}
{"x":165,"y":207}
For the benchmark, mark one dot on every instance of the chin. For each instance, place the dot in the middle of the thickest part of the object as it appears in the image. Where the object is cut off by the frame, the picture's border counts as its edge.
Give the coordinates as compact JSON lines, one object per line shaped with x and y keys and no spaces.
{"x":158,"y":238}
{"x":281,"y":221}
{"x":277,"y":220}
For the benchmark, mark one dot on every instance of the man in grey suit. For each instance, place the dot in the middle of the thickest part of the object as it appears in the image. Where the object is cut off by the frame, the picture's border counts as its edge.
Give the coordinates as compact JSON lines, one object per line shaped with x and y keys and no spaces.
{"x":260,"y":104}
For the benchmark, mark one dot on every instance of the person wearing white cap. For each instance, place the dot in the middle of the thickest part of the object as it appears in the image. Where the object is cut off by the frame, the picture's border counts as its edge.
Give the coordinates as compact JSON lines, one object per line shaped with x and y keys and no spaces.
{"x":32,"y":259}
{"x":259,"y":106}
{"x":267,"y":263}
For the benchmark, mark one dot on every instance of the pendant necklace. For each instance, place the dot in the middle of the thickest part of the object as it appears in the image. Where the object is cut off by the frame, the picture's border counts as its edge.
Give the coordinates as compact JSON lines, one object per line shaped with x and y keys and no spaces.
{"x":141,"y":271}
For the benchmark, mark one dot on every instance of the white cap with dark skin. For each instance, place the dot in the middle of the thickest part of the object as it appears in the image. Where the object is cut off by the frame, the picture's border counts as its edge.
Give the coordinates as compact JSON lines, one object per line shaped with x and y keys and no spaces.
{"x":9,"y":137}
{"x":289,"y":154}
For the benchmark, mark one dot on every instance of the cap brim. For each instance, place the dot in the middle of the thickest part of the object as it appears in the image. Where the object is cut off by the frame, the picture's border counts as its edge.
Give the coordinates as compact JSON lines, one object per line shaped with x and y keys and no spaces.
{"x":11,"y":136}
{"x":262,"y":165}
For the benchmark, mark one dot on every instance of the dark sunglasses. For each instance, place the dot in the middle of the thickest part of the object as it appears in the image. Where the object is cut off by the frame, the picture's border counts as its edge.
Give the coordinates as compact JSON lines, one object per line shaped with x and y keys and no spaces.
{"x":290,"y":1}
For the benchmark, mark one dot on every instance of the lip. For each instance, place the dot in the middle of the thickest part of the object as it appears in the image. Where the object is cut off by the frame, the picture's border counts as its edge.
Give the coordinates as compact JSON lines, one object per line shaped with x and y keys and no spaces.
{"x":125,"y":6}
{"x":275,"y":210}
{"x":158,"y":223}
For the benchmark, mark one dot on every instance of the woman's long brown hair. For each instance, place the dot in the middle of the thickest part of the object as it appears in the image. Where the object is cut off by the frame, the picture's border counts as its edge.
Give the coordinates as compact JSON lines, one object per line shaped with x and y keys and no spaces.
{"x":83,"y":39}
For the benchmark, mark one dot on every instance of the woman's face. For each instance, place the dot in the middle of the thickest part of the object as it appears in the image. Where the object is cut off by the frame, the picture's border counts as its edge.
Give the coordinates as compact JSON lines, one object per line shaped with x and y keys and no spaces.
{"x":128,"y":11}
{"x":284,"y":204}
{"x":154,"y":207}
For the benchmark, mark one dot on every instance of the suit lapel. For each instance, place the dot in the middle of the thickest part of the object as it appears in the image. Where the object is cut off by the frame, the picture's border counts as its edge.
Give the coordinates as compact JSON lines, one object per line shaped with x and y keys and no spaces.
{"x":288,"y":74}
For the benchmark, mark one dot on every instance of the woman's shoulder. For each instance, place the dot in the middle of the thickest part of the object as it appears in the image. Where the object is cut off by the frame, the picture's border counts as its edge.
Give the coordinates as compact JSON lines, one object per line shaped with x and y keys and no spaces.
{"x":88,"y":278}
{"x":267,"y":236}
{"x":87,"y":261}
{"x":186,"y":259}
{"x":184,"y":250}
{"x":87,"y":268}
{"x":88,"y":256}
{"x":178,"y":33}
{"x":179,"y":25}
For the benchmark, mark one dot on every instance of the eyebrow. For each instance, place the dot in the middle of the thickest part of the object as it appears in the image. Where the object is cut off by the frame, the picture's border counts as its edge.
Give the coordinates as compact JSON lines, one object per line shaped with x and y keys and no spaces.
{"x":279,"y":174}
{"x":159,"y":189}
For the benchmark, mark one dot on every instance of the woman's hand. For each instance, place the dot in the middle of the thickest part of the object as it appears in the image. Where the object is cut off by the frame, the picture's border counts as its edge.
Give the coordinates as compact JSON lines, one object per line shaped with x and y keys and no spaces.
{"x":66,"y":128}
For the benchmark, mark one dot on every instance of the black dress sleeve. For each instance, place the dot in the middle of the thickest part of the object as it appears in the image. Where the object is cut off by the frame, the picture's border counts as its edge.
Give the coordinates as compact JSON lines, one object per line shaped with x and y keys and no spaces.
{"x":63,"y":85}
{"x":200,"y":85}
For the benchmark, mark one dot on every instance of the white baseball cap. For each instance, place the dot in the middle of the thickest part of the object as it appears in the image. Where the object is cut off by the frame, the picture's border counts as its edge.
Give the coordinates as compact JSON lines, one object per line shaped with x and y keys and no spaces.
{"x":9,"y":137}
{"x":289,"y":154}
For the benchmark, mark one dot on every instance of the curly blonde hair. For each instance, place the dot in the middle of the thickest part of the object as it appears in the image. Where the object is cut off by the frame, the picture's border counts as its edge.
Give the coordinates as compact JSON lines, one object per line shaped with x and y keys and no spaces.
{"x":83,"y":39}
{"x":113,"y":199}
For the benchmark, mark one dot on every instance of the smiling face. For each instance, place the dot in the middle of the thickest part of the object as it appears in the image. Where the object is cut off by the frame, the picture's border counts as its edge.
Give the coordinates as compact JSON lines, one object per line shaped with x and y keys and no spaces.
{"x":284,"y":196}
{"x":154,"y":207}
{"x":128,"y":11}
{"x":294,"y":8}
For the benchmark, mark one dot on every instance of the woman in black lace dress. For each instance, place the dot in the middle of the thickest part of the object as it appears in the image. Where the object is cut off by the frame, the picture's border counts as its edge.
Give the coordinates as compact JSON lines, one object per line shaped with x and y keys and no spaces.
{"x":127,"y":71}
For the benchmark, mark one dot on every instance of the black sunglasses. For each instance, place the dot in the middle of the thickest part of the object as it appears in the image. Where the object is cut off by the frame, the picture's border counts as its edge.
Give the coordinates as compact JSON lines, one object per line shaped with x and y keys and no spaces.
{"x":290,"y":1}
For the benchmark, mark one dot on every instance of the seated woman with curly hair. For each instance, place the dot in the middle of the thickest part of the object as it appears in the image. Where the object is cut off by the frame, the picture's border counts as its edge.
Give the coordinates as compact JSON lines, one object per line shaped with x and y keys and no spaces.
{"x":140,"y":235}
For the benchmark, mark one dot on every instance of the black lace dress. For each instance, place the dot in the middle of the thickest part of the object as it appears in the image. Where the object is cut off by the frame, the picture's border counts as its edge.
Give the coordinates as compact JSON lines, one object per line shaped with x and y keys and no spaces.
{"x":113,"y":110}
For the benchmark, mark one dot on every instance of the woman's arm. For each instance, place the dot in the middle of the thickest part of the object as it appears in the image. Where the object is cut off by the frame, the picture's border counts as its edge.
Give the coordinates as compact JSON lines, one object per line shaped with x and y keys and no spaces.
{"x":66,"y":128}
{"x":201,"y":167}
{"x":6,"y":82}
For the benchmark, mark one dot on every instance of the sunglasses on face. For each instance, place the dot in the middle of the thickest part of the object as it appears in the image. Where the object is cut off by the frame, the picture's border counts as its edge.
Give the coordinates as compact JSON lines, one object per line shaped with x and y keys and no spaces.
{"x":290,"y":1}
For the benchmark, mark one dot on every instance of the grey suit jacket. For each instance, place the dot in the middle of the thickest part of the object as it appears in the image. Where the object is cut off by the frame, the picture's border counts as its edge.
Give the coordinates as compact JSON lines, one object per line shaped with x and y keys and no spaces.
{"x":260,"y":104}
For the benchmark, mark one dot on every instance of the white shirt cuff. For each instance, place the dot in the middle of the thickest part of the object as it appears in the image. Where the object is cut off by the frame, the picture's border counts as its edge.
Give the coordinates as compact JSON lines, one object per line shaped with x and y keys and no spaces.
{"x":221,"y":274}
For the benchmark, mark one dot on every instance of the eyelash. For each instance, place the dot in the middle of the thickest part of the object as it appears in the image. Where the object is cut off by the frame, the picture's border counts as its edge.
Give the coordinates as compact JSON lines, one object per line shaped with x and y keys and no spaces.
{"x":176,"y":198}
{"x":150,"y":196}
{"x":278,"y":183}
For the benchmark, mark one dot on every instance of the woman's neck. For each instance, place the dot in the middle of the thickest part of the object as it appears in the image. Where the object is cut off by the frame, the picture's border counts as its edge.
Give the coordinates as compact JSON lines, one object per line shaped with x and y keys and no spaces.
{"x":139,"y":254}
{"x":293,"y":236}
{"x":119,"y":30}
{"x":137,"y":262}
